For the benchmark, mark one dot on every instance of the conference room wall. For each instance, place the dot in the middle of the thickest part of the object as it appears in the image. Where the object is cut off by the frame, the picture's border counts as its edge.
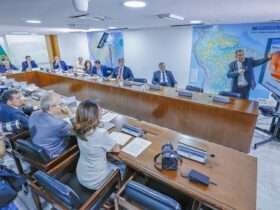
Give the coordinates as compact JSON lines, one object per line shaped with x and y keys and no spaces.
{"x":144,"y":49}
{"x":73,"y":45}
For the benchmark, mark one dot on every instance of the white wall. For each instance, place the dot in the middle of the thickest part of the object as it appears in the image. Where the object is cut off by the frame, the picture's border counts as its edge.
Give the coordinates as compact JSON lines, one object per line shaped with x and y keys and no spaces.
{"x":144,"y":49}
{"x":73,"y":45}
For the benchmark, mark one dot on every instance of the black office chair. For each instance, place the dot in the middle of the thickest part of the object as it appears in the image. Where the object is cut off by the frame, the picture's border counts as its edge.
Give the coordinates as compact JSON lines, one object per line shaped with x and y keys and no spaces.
{"x":230,"y":94}
{"x":276,"y":130}
{"x":194,"y":89}
{"x":60,"y":187}
{"x":140,"y":80}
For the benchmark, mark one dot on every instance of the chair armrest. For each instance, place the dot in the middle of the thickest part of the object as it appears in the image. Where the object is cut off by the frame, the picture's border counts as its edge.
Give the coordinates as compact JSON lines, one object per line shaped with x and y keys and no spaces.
{"x":64,"y":164}
{"x":113,"y":180}
{"x":61,"y":157}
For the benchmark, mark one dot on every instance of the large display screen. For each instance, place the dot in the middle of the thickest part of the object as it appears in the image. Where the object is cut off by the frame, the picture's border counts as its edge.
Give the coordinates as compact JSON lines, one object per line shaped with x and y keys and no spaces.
{"x":270,"y":76}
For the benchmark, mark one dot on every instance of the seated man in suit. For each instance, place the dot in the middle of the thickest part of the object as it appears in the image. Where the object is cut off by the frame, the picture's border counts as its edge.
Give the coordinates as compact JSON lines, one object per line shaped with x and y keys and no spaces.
{"x":10,"y":108}
{"x":163,"y":77}
{"x":28,"y":64}
{"x":122,"y":72}
{"x":59,"y":64}
{"x":6,"y":65}
{"x":101,"y":70}
{"x":47,"y":130}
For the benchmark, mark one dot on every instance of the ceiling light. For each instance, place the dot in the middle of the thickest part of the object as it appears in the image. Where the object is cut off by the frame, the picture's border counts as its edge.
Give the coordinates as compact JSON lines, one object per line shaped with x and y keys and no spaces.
{"x":135,"y":4}
{"x":33,"y":21}
{"x":196,"y":22}
{"x":112,"y":28}
{"x":170,"y":16}
{"x":96,"y":29}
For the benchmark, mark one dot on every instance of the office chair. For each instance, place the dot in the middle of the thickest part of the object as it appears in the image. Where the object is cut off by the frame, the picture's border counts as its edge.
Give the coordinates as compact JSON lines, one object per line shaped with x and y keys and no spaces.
{"x":276,"y":130}
{"x":38,"y":158}
{"x":60,"y":187}
{"x":194,"y":89}
{"x":229,"y":94}
{"x":135,"y":196}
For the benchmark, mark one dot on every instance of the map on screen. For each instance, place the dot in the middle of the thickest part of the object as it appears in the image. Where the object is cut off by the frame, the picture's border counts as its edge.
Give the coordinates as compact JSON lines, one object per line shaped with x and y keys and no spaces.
{"x":270,"y":76}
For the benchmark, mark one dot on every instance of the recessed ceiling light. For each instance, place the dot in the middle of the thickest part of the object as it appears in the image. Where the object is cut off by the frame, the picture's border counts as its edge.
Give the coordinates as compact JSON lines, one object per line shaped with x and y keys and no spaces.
{"x":134,"y":4}
{"x":112,"y":27}
{"x":196,"y":22}
{"x":33,"y":21}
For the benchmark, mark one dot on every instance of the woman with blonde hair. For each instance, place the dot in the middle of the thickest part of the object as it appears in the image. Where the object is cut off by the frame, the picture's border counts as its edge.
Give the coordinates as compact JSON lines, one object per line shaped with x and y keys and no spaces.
{"x":94,"y":142}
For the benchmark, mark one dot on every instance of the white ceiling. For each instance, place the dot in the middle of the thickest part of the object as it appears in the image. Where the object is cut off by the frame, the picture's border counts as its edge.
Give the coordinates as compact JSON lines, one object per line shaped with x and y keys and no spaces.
{"x":55,"y":13}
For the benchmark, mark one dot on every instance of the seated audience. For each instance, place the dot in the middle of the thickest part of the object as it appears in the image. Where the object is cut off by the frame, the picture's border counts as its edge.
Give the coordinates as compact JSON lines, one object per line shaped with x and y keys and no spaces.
{"x":10,"y":108}
{"x":28,"y":64}
{"x":88,"y":67}
{"x":101,"y":70}
{"x":79,"y":66}
{"x":122,"y":72}
{"x":6,"y":65}
{"x":163,"y":77}
{"x":47,"y":130}
{"x":59,"y":64}
{"x":94,"y":142}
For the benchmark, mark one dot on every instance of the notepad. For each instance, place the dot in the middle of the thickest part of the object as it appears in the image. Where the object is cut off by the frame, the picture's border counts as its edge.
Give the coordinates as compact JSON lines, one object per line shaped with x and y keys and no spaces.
{"x":136,"y":147}
{"x":120,"y":138}
{"x":108,"y":117}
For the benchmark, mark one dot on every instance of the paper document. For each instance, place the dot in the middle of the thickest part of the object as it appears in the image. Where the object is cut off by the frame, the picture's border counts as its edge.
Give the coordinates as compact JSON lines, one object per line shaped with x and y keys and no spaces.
{"x":108,"y":125}
{"x":108,"y":117}
{"x":136,"y":147}
{"x":120,"y":138}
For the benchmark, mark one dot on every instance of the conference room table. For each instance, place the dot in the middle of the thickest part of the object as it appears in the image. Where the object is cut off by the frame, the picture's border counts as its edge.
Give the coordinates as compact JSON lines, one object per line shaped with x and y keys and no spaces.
{"x":233,"y":173}
{"x":231,"y":124}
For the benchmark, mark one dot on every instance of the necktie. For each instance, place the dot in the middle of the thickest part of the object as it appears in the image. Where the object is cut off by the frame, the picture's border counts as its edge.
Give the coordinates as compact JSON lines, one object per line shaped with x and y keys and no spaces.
{"x":121,"y":73}
{"x":163,"y":77}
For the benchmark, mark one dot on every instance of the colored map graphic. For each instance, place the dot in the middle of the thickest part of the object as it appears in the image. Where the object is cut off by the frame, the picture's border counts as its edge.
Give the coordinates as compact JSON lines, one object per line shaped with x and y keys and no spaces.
{"x":213,"y":51}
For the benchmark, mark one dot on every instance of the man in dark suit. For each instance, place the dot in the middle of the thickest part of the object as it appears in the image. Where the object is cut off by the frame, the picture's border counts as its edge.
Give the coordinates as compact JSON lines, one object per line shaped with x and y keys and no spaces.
{"x":28,"y":64}
{"x":59,"y":64}
{"x":6,"y":65}
{"x":163,"y":77}
{"x":10,"y":108}
{"x":241,"y":71}
{"x":122,"y":72}
{"x":101,"y":70}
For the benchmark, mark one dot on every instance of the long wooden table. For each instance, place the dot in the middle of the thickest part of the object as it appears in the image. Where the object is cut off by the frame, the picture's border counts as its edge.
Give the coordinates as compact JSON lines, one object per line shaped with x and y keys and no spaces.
{"x":231,"y":125}
{"x":233,"y":172}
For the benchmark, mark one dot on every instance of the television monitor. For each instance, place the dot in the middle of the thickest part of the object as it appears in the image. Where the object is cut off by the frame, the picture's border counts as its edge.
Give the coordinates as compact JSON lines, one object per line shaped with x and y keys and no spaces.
{"x":103,"y":40}
{"x":270,"y":75}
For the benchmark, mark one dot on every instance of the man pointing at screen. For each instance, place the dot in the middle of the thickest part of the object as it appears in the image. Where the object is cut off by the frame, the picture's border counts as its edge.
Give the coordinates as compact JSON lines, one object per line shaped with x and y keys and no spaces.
{"x":242,"y":74}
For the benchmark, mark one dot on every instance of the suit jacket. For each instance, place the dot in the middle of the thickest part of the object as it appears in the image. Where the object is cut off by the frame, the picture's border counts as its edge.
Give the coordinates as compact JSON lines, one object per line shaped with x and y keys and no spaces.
{"x":24,"y":65}
{"x":127,"y":73}
{"x":171,"y":82}
{"x":3,"y":69}
{"x":63,"y":65}
{"x":49,"y":132}
{"x":106,"y":71}
{"x":248,"y":66}
{"x":9,"y":114}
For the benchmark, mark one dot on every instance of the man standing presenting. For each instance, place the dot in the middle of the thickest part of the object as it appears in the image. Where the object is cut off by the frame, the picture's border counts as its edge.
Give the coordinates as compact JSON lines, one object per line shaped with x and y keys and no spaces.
{"x":242,"y":74}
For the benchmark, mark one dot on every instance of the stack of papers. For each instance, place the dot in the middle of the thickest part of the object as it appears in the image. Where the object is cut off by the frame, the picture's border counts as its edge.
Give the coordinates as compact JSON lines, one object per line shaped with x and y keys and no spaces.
{"x":136,"y":147}
{"x":108,"y":117}
{"x":107,"y":125}
{"x":120,"y":138}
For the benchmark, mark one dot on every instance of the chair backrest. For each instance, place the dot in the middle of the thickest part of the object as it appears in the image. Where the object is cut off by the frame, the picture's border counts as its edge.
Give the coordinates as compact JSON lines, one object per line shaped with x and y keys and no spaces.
{"x":58,"y":190}
{"x":230,"y":94}
{"x":32,"y":151}
{"x":149,"y":198}
{"x":141,"y":80}
{"x":194,"y":88}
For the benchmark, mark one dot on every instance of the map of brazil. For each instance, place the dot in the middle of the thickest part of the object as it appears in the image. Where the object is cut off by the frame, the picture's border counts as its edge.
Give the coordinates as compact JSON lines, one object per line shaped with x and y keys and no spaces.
{"x":213,"y":50}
